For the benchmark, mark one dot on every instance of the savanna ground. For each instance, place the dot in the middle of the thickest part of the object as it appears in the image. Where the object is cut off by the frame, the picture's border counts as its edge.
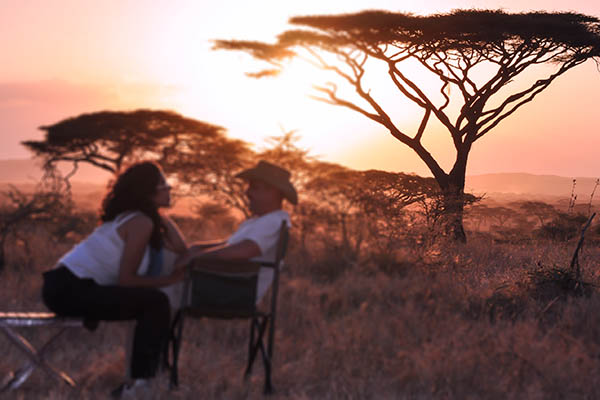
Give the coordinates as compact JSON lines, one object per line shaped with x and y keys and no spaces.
{"x":490,"y":319}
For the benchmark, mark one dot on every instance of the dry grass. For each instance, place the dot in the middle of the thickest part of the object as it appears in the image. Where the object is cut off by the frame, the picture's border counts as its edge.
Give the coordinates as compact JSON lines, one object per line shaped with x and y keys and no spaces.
{"x":448,"y":322}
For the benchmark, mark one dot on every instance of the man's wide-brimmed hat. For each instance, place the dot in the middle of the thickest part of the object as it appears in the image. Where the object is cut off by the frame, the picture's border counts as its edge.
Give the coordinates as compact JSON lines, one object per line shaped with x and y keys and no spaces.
{"x":274,"y":176}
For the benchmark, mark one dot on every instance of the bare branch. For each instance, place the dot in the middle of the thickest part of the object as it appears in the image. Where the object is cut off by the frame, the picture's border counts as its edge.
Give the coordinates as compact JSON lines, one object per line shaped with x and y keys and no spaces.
{"x":424,"y":102}
{"x":336,"y":101}
{"x":496,"y":114}
{"x":422,"y":126}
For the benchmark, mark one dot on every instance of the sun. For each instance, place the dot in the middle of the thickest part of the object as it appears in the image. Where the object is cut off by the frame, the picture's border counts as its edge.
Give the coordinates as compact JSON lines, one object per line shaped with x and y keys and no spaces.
{"x":212,"y":86}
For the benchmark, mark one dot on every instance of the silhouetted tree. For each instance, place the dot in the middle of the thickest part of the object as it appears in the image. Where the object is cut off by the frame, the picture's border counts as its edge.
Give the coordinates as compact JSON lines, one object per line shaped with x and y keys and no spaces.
{"x":284,"y":151}
{"x":478,"y":214}
{"x":108,"y":139}
{"x":542,"y":211}
{"x":501,"y":215}
{"x":218,"y":177}
{"x":475,"y":53}
{"x":211,"y":172}
{"x":48,"y":203}
{"x":433,"y":208}
{"x":365,"y":202}
{"x":563,"y":227}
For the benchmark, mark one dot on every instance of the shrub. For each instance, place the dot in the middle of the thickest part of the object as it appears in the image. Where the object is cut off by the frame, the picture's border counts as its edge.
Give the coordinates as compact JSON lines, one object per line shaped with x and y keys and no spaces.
{"x":563,"y":227}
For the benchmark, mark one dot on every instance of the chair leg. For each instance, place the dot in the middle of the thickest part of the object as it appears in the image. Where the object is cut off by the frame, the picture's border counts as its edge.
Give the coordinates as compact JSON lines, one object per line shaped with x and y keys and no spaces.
{"x":268,"y":384}
{"x":36,"y":359}
{"x":250,"y":348}
{"x":257,"y":330}
{"x":176,"y":335}
{"x":16,"y":379}
{"x":266,"y":357}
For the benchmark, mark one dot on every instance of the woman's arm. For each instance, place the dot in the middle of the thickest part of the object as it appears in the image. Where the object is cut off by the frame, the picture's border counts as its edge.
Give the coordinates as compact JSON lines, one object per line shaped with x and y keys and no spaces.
{"x":136,"y":235}
{"x":174,"y":240}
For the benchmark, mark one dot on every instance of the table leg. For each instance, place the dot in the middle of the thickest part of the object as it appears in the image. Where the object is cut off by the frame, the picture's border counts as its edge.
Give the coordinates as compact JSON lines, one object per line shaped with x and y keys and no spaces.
{"x":36,"y":359}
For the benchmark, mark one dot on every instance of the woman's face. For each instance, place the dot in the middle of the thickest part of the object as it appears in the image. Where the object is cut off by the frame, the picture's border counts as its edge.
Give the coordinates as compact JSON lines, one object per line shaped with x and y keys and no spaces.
{"x":162,"y":194}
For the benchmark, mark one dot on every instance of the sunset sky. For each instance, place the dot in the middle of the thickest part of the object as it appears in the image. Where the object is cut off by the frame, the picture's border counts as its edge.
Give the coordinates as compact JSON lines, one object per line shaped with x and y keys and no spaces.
{"x":66,"y":57}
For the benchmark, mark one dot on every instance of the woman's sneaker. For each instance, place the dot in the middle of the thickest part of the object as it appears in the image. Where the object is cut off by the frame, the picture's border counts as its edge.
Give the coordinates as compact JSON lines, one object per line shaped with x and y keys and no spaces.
{"x":138,"y":389}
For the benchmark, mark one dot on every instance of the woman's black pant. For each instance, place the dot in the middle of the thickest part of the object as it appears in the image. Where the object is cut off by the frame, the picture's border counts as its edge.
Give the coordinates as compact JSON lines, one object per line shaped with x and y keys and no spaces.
{"x":68,"y":295}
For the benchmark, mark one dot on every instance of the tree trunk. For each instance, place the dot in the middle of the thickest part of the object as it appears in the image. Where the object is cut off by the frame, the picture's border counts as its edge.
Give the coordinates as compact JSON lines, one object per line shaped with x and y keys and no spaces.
{"x":453,"y":213}
{"x":452,"y":186}
{"x":453,"y":192}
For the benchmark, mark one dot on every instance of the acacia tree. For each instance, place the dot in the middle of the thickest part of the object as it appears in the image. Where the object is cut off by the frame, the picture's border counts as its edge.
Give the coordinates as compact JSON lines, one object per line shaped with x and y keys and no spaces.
{"x":458,"y":48}
{"x":542,"y":211}
{"x":108,"y":139}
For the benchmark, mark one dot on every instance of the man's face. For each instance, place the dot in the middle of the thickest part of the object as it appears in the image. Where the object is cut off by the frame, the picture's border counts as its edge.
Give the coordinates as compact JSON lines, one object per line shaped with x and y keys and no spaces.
{"x":262,"y":197}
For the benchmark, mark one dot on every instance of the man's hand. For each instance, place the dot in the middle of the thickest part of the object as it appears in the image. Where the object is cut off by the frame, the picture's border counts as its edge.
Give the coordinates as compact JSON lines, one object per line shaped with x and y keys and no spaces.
{"x":242,"y":251}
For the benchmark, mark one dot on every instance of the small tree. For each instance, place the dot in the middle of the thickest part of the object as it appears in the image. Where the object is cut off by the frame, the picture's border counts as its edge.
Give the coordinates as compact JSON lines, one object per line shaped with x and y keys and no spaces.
{"x":542,"y":211}
{"x":563,"y":227}
{"x":365,"y":202}
{"x":478,"y":215}
{"x":457,"y":48}
{"x":48,"y":202}
{"x":212,"y":172}
{"x":283,"y":151}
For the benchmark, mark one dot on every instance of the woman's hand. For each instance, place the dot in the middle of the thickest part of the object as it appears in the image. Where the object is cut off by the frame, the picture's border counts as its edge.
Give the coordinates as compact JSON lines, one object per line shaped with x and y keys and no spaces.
{"x":178,"y":274}
{"x":183,"y":260}
{"x":136,"y":236}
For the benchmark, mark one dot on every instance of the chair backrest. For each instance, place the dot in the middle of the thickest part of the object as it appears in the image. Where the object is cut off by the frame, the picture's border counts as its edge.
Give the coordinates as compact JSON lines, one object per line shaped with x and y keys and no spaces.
{"x":280,"y":255}
{"x":281,"y":251}
{"x":282,"y":244}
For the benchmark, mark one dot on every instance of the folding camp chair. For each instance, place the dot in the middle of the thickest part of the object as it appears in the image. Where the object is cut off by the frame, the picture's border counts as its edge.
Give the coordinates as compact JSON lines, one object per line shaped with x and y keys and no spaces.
{"x":35,"y":358}
{"x":232,"y":296}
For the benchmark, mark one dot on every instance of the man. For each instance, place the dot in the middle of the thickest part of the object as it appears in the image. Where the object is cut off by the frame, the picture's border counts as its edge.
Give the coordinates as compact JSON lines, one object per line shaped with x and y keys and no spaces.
{"x":256,"y":238}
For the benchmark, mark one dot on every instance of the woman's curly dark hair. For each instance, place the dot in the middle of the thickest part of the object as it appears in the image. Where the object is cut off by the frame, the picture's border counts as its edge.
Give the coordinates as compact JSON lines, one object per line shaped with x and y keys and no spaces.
{"x":133,"y":191}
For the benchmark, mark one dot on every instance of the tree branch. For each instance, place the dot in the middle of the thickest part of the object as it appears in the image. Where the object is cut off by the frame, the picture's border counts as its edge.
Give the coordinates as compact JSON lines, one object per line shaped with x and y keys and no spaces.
{"x":422,"y":126}
{"x":496,"y":114}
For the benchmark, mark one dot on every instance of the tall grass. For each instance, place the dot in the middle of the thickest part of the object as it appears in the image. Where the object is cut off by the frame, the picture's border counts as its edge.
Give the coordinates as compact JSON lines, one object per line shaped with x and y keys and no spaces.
{"x":443,"y":322}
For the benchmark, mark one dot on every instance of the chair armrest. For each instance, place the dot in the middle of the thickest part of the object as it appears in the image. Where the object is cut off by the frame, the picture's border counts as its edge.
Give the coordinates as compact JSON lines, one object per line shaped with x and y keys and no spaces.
{"x":268,"y":264}
{"x":225,"y":267}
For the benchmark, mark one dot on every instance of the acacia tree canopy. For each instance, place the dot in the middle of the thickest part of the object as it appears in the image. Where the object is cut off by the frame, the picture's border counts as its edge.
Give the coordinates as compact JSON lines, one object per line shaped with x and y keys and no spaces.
{"x":452,"y":47}
{"x":107,"y":139}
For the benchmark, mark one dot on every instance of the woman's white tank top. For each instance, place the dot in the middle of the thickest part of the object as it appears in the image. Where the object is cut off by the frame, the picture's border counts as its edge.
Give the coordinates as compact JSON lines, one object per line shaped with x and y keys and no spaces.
{"x":99,"y":255}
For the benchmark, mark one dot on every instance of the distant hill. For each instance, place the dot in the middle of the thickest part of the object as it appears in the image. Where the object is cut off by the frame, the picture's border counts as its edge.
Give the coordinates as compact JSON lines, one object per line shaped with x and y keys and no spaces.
{"x":30,"y":171}
{"x":88,"y":183}
{"x":531,"y":185}
{"x":504,"y":185}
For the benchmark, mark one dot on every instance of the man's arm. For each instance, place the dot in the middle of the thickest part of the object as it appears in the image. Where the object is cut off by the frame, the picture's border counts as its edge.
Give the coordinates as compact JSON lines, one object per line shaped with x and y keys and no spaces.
{"x":228,"y":258}
{"x":244,"y":250}
{"x":204,"y":246}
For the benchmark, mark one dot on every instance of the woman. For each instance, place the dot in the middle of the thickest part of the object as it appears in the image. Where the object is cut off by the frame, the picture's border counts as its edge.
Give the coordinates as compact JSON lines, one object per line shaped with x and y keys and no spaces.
{"x":105,"y":277}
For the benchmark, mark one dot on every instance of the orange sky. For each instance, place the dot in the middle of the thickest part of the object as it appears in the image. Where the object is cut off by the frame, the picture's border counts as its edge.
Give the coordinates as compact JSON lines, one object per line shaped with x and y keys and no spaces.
{"x":60,"y":59}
